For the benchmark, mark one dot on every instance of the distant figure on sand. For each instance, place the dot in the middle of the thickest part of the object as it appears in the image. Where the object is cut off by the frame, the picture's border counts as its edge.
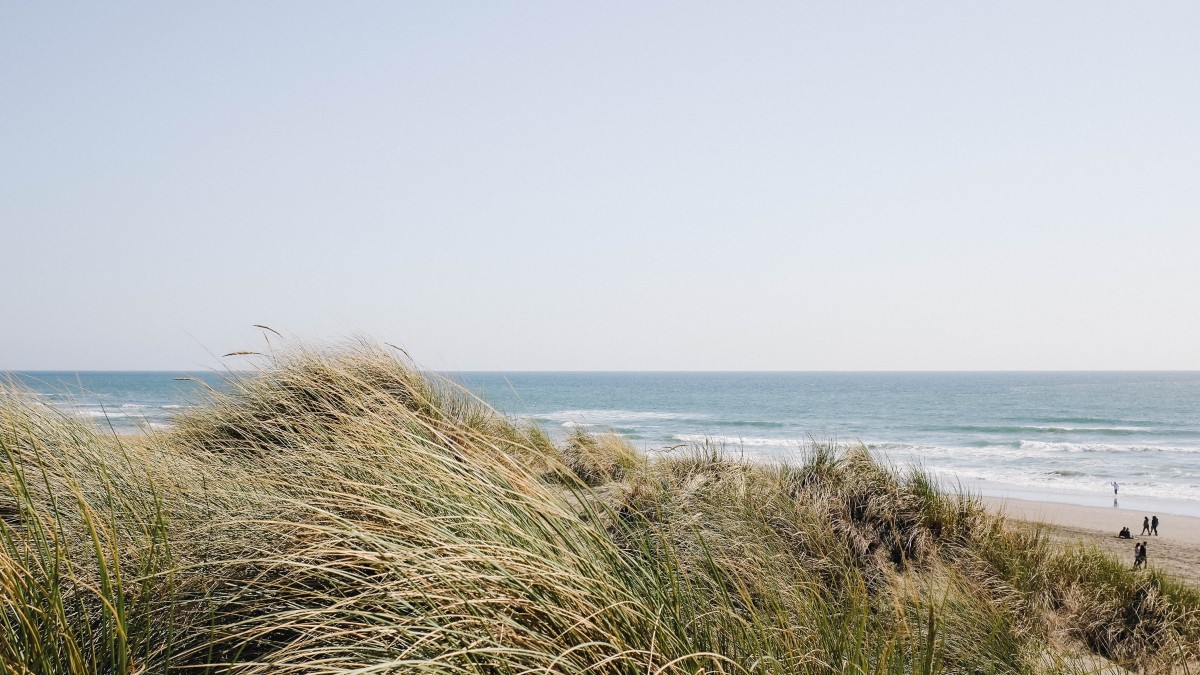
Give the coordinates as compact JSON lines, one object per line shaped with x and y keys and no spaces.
{"x":1115,"y":488}
{"x":1154,"y":526}
{"x":1125,"y":534}
{"x":1139,"y":555}
{"x":1146,"y":525}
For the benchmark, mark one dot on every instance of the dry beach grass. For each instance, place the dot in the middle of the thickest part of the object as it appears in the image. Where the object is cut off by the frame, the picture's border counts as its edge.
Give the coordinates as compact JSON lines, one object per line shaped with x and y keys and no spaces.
{"x":342,"y":511}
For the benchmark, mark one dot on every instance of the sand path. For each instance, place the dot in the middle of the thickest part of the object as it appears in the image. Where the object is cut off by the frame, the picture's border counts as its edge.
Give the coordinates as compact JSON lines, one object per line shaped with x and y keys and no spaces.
{"x":1176,"y":549}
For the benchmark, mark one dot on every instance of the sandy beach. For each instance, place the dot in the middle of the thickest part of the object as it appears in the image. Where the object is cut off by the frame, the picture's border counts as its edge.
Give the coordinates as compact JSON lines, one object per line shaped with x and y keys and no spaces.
{"x":1176,"y":549}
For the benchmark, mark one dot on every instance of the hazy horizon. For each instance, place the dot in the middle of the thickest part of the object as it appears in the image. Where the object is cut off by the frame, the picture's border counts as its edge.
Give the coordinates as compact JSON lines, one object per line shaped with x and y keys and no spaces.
{"x":632,"y":372}
{"x":659,"y":187}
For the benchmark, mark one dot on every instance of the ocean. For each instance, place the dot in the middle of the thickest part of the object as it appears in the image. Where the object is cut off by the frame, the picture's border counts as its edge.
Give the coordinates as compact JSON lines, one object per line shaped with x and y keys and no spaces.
{"x":1054,"y":436}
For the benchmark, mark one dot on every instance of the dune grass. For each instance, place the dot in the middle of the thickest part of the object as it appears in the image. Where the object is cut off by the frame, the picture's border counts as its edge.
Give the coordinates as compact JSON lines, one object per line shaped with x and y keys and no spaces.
{"x":342,"y":511}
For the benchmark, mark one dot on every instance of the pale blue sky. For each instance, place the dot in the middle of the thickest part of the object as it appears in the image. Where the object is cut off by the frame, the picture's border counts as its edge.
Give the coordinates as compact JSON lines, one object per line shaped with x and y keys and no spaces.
{"x":640,"y":186}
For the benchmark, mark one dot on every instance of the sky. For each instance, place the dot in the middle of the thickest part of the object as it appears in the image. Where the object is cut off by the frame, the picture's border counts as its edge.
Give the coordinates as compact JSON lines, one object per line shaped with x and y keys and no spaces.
{"x":603,"y":186}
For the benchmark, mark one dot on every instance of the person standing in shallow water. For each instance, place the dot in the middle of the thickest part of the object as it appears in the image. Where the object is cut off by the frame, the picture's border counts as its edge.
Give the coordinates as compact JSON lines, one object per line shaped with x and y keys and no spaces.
{"x":1116,"y":487}
{"x":1146,"y":525}
{"x":1154,"y":526}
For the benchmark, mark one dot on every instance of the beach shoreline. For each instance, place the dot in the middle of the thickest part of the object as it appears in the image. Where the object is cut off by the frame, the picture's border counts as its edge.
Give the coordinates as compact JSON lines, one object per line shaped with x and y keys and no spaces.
{"x":1176,"y":549}
{"x":1102,"y":500}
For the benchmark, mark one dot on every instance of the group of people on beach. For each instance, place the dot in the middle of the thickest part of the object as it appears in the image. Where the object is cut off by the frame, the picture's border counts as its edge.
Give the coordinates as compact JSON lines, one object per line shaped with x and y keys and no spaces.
{"x":1149,"y":527}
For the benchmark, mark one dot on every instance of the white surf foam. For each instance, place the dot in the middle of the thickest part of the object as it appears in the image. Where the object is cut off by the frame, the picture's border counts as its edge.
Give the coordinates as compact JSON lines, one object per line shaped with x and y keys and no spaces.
{"x":740,"y":440}
{"x":99,"y":413}
{"x":1042,"y":446}
{"x":600,"y":415}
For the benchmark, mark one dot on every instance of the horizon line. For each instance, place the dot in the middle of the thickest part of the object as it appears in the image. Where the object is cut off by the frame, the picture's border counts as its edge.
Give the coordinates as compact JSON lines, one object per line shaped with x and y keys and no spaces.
{"x":619,"y":371}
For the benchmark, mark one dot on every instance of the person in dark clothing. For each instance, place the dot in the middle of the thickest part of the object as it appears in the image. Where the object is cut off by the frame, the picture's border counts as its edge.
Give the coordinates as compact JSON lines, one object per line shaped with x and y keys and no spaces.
{"x":1146,"y":525}
{"x":1139,"y":555}
{"x":1125,"y":534}
{"x":1154,"y":526}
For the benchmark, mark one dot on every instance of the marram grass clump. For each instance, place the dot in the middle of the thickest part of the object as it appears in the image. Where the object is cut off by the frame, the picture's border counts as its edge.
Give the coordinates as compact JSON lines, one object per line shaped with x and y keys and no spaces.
{"x":342,"y":511}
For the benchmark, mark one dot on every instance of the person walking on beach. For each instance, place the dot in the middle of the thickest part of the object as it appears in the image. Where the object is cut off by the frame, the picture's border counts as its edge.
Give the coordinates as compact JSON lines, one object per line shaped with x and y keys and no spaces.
{"x":1139,"y":555}
{"x":1154,"y":526}
{"x":1146,"y":525}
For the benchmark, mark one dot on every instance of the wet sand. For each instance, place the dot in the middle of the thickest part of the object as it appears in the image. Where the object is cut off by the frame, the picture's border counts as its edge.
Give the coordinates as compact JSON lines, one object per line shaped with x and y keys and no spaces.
{"x":1176,"y":549}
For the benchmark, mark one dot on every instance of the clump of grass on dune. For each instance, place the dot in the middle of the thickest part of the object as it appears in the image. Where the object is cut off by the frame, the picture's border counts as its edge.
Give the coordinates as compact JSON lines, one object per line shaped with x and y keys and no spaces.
{"x":307,"y":395}
{"x":417,"y":537}
{"x":342,"y":511}
{"x":600,"y":458}
{"x":1142,"y":619}
{"x":82,"y":546}
{"x":830,"y":556}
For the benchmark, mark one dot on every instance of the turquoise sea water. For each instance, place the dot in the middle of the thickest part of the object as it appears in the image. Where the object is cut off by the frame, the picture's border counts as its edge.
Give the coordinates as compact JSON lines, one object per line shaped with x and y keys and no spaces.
{"x":124,"y":401}
{"x":1055,"y":436}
